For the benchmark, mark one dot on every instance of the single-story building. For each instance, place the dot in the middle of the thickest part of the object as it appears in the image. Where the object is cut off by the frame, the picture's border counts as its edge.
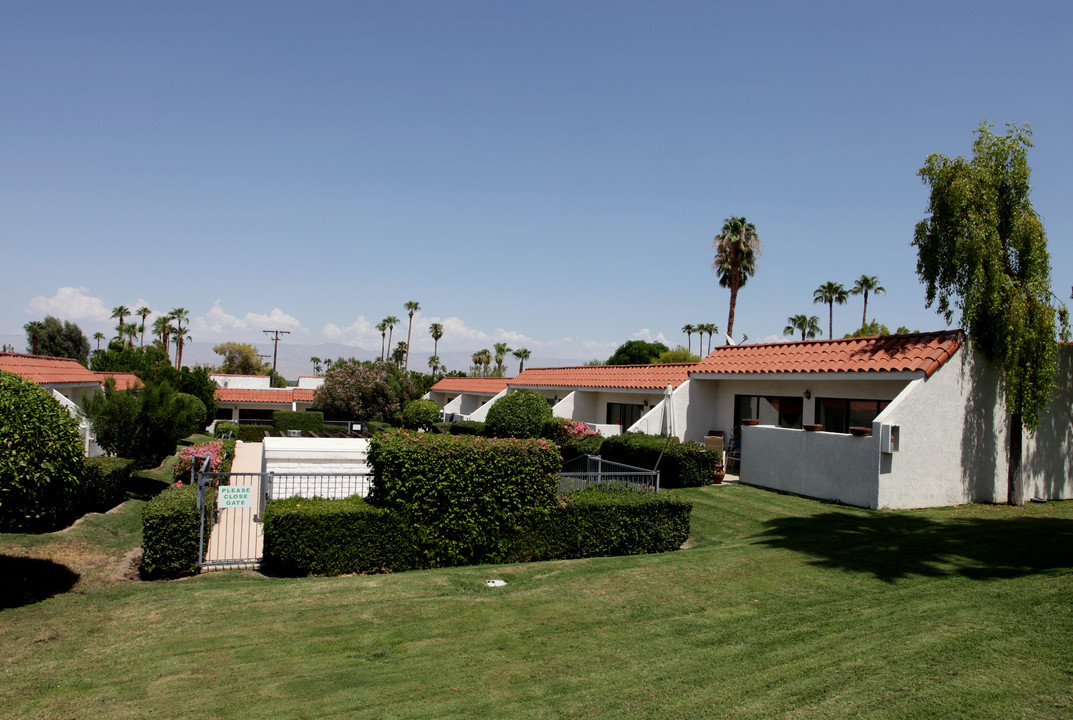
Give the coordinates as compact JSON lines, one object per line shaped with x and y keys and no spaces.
{"x":897,"y":421}
{"x":252,"y":397}
{"x":460,"y":397}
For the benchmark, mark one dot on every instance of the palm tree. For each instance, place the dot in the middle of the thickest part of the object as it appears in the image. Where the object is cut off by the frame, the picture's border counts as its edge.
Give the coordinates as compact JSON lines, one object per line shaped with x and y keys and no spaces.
{"x":144,"y":312}
{"x":412,"y":306}
{"x":436,"y":331}
{"x":120,"y":311}
{"x":162,"y":328}
{"x":434,"y":364}
{"x":382,"y":327}
{"x":809,"y":325}
{"x":830,"y":292}
{"x":316,"y":365}
{"x":736,"y":249}
{"x":476,"y":359}
{"x":179,"y":315}
{"x":862,"y":286}
{"x":391,"y":321}
{"x":711,"y":329}
{"x":689,"y":330}
{"x":33,"y":330}
{"x":98,"y":336}
{"x":129,"y":332}
{"x":486,"y":361}
{"x":522,"y":354}
{"x":501,"y":353}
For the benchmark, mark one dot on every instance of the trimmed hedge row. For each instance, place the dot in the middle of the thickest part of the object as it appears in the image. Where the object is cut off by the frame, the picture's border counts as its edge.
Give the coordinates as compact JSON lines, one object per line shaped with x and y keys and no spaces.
{"x":304,"y":420}
{"x":334,"y":537}
{"x":683,"y":464}
{"x":104,"y":483}
{"x":462,"y":495}
{"x":245,"y":433}
{"x":170,"y":533}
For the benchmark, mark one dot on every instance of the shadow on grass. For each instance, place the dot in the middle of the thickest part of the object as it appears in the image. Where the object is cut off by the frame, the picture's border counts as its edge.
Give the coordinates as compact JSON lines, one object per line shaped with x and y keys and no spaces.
{"x":893,"y":546}
{"x":140,"y":487}
{"x":30,"y":580}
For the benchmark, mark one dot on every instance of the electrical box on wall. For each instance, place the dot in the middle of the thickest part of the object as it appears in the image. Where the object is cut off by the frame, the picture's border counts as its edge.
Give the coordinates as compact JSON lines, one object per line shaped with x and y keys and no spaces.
{"x":888,"y":438}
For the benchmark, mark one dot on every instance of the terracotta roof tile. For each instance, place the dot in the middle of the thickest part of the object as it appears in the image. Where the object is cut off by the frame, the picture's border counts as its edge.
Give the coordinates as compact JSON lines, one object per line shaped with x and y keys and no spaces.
{"x":630,"y":377}
{"x":485,"y":386}
{"x":919,"y":352}
{"x":123,"y":380}
{"x":45,"y":370}
{"x":273,"y":395}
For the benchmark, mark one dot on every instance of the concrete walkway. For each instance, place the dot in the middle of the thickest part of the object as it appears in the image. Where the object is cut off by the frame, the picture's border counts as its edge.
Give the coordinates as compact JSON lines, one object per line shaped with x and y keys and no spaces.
{"x":237,"y":540}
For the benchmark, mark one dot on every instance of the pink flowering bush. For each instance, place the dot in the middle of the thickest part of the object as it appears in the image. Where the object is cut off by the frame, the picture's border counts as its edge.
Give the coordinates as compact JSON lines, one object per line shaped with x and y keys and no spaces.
{"x":573,"y":437}
{"x":214,"y":450}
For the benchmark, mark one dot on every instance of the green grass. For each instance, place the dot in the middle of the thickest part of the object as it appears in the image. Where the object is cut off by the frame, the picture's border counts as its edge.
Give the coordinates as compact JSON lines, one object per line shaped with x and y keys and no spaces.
{"x":783,"y":608}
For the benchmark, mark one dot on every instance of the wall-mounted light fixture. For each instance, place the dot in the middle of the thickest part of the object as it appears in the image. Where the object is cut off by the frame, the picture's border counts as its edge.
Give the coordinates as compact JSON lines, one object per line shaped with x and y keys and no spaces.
{"x":808,"y":394}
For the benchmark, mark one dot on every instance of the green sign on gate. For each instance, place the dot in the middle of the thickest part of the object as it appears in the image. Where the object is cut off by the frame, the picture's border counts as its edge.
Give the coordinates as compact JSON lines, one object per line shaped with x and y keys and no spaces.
{"x":234,"y":496}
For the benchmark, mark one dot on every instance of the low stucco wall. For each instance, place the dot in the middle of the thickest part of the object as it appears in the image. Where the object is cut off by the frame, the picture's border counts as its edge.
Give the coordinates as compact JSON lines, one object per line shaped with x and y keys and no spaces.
{"x":824,"y":465}
{"x":315,"y":455}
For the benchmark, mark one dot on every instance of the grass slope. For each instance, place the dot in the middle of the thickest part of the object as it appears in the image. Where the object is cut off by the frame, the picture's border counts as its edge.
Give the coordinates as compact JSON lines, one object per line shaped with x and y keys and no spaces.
{"x":785,"y":608}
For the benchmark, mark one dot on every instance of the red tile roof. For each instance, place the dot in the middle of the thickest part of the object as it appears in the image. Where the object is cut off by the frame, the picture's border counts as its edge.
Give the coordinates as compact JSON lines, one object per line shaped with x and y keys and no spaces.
{"x":45,"y":370}
{"x":123,"y":380}
{"x":919,"y":352}
{"x":630,"y":377}
{"x":478,"y":385}
{"x":273,"y":396}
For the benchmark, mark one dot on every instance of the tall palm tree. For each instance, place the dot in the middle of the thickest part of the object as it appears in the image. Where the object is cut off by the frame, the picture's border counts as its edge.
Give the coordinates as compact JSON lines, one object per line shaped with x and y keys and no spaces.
{"x":736,"y":249}
{"x":316,"y":365}
{"x":809,"y":325}
{"x":179,"y":315}
{"x":391,"y":322}
{"x":129,"y":332}
{"x":120,"y":311}
{"x":162,"y":328}
{"x":830,"y":293}
{"x":434,"y":364}
{"x":501,"y":353}
{"x":689,"y":330}
{"x":382,"y":327}
{"x":476,"y":359}
{"x":486,"y":361}
{"x":436,"y":331}
{"x":711,"y":329}
{"x":33,"y":330}
{"x":98,"y":336}
{"x":411,"y":306}
{"x":522,"y":354}
{"x":144,"y":312}
{"x":862,"y":286}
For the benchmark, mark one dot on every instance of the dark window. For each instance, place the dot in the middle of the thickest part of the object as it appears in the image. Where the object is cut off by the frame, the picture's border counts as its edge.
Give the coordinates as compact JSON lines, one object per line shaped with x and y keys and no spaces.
{"x":770,"y":409}
{"x":623,"y":414}
{"x":840,"y":414}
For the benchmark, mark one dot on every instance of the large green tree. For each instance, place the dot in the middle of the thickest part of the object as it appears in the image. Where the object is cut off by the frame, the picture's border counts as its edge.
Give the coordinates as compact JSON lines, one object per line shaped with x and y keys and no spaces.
{"x":982,"y":249}
{"x":736,"y":248}
{"x":830,"y":293}
{"x":57,"y":339}
{"x":637,"y":352}
{"x":241,"y":359}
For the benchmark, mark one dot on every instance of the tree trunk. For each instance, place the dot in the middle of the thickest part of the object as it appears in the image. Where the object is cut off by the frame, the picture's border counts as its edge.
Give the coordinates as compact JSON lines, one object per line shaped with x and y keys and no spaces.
{"x":864,"y":315}
{"x":831,"y":320}
{"x":1014,"y":489}
{"x":733,"y":302}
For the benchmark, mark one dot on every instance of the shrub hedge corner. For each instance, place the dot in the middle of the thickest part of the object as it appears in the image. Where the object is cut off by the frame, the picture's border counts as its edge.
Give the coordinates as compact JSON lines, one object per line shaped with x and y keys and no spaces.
{"x":171,"y":533}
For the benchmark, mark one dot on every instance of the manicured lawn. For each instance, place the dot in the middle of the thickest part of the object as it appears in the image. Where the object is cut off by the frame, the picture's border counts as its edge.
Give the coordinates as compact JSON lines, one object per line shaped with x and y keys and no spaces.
{"x":784,"y":608}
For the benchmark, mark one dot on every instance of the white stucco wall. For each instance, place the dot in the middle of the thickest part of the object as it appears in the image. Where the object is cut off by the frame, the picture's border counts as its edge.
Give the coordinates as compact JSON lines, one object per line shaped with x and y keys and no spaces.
{"x":307,"y":382}
{"x":480,"y":413}
{"x":314,"y":455}
{"x":243,"y":382}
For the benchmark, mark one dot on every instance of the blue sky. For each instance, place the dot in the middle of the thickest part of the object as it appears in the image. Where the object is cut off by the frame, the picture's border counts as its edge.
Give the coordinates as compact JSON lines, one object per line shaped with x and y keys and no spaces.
{"x":546,"y":174}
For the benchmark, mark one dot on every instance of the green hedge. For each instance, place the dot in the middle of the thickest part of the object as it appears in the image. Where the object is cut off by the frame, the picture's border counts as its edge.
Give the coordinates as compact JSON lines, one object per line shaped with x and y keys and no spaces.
{"x":334,"y":537}
{"x":170,"y":534}
{"x":245,"y":433}
{"x":520,"y":414}
{"x":104,"y":483}
{"x":462,"y":495}
{"x":604,"y":522}
{"x":465,"y":427}
{"x":683,"y":464}
{"x":304,"y":420}
{"x":420,"y":415}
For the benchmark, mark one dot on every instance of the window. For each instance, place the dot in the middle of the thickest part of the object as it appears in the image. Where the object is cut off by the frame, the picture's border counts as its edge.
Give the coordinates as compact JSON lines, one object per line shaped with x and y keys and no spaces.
{"x":840,"y":414}
{"x":772,"y":410}
{"x":623,"y":414}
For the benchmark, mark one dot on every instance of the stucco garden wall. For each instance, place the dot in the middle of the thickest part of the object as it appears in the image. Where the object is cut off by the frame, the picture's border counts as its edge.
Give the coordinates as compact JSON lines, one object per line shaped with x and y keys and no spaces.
{"x":314,"y":455}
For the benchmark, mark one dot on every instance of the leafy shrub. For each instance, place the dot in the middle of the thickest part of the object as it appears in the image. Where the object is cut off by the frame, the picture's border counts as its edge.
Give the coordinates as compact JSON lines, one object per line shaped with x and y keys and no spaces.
{"x":41,"y":456}
{"x":603,"y":522}
{"x":104,"y":483}
{"x":683,"y":464}
{"x":304,"y":420}
{"x":377,"y":428}
{"x":420,"y":415}
{"x":461,"y":495}
{"x":520,"y":414}
{"x":225,"y":427}
{"x":573,"y":437}
{"x":213,"y":450}
{"x":363,"y":391}
{"x":171,"y":532}
{"x":465,"y":427}
{"x":334,"y":537}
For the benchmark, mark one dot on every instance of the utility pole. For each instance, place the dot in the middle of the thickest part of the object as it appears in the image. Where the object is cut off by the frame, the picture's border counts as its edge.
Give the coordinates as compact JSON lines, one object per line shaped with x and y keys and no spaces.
{"x":275,"y":345}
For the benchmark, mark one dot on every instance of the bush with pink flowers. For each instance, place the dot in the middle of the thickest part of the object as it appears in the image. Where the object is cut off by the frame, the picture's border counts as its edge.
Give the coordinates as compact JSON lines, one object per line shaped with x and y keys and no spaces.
{"x":219,"y":453}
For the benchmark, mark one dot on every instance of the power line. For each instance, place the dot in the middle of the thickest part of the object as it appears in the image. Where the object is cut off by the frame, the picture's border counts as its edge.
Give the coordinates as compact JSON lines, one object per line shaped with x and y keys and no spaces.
{"x":275,"y":345}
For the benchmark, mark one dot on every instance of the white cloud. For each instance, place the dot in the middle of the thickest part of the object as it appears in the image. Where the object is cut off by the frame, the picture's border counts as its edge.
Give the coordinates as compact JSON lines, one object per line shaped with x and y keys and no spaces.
{"x":646,"y":335}
{"x":72,"y":304}
{"x":360,"y":333}
{"x":221,"y":325}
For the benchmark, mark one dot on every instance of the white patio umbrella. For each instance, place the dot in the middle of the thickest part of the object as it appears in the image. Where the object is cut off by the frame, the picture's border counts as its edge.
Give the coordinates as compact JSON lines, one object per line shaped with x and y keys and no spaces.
{"x":668,"y":411}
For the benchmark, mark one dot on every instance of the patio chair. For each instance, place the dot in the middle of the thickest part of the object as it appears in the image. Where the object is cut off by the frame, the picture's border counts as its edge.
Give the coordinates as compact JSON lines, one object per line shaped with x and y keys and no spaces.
{"x":733,"y":454}
{"x":714,"y":444}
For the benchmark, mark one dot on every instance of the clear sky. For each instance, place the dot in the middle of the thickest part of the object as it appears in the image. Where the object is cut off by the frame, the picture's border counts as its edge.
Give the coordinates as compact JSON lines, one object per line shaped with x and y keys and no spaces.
{"x":549,"y":175}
